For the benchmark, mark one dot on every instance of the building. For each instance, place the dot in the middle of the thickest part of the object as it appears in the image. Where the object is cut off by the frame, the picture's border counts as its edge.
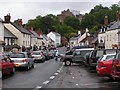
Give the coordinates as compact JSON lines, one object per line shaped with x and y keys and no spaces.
{"x":10,"y":41}
{"x":23,"y":35}
{"x":56,"y":37}
{"x":112,"y":35}
{"x":69,"y":12}
{"x":1,"y":35}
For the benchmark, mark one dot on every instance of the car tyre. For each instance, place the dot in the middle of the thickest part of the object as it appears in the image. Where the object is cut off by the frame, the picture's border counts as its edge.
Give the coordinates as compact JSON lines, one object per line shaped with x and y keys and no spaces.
{"x":33,"y":66}
{"x":67,"y":63}
{"x":13,"y":71}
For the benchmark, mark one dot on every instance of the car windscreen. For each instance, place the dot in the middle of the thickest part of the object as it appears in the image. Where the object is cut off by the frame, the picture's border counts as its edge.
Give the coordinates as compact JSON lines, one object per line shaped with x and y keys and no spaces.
{"x":17,"y":55}
{"x":110,"y":51}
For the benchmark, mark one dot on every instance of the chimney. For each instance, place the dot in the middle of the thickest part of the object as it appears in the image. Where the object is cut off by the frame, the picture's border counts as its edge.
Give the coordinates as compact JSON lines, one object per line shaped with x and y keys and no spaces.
{"x":79,"y":32}
{"x":7,"y":18}
{"x":19,"y":22}
{"x":117,"y":16}
{"x":30,"y":28}
{"x":106,"y":20}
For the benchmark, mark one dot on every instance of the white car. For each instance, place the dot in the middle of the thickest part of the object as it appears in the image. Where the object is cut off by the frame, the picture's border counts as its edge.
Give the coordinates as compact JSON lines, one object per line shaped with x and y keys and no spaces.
{"x":22,"y":59}
{"x":38,"y":56}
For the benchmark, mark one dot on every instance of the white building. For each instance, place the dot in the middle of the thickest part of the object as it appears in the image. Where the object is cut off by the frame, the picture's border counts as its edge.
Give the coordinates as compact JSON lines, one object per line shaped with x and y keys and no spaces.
{"x":56,"y":37}
{"x":1,"y":35}
{"x":112,"y":36}
{"x":23,"y":35}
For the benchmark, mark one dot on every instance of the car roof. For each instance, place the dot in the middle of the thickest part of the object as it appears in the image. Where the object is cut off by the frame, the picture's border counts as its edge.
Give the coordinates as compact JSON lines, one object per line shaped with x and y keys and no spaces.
{"x":109,"y":54}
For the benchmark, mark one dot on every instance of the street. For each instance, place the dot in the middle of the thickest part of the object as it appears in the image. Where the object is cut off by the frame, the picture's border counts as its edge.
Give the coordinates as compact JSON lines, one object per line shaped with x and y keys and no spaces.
{"x":79,"y":77}
{"x":53,"y":74}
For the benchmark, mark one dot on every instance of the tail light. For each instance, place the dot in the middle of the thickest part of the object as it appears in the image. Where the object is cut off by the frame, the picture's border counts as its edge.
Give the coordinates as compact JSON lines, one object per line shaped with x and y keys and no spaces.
{"x":101,"y":64}
{"x":84,"y":58}
{"x":91,"y":60}
{"x":24,"y":60}
{"x":117,"y":65}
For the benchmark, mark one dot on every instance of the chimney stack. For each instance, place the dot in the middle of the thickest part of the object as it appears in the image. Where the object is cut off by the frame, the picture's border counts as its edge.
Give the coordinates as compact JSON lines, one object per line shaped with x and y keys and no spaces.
{"x":7,"y":18}
{"x":117,"y":16}
{"x":106,"y":20}
{"x":19,"y":22}
{"x":30,"y":28}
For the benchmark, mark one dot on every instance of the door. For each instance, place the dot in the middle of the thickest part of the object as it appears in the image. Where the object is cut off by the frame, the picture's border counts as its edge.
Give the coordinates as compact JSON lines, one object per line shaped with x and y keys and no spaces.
{"x":77,"y":56}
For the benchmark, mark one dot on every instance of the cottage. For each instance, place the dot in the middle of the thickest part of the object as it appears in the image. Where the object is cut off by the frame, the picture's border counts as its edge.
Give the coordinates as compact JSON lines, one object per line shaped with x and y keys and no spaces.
{"x":22,"y":34}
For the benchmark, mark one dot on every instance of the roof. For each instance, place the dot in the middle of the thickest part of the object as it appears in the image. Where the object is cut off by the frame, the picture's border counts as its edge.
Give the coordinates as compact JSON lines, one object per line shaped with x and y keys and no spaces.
{"x":95,"y":40}
{"x":57,"y":34}
{"x":75,"y":37}
{"x":8,"y":34}
{"x":21,"y":29}
{"x":116,"y":25}
{"x":35,"y":35}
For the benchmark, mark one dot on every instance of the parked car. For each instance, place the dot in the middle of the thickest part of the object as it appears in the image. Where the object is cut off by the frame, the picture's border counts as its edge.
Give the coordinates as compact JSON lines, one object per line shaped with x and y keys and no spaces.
{"x":94,"y":55}
{"x":85,"y":59}
{"x":6,"y":64}
{"x":22,"y":59}
{"x":116,"y":68}
{"x":104,"y":64}
{"x":75,"y":56}
{"x":38,"y":56}
{"x":46,"y":54}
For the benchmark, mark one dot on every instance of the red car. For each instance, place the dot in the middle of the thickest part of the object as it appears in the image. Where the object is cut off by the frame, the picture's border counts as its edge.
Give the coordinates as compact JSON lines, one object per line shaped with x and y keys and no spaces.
{"x":6,"y":65}
{"x":104,"y":64}
{"x":116,"y":68}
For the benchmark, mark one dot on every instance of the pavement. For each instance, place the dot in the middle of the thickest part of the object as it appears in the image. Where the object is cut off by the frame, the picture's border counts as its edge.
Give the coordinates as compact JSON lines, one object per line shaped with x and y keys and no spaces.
{"x":77,"y":76}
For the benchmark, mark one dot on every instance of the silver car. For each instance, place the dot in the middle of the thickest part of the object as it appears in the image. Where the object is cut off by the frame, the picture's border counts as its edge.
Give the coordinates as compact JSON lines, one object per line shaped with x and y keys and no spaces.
{"x":38,"y":56}
{"x":22,"y":59}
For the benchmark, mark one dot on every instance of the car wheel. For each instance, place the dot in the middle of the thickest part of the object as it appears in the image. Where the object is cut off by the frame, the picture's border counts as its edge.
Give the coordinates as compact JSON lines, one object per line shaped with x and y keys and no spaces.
{"x":67,"y":63}
{"x":13,"y":70}
{"x":28,"y":67}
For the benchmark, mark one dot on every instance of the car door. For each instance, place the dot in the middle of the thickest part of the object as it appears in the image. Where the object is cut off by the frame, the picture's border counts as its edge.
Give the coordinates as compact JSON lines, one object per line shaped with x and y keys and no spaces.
{"x":77,"y":55}
{"x":5,"y":66}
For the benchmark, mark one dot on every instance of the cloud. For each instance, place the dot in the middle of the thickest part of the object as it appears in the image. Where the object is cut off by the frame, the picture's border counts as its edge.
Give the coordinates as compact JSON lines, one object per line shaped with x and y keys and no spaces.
{"x":29,"y":10}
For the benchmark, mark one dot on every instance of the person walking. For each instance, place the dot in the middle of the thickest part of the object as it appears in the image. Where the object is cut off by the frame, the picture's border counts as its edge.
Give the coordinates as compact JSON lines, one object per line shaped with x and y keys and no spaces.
{"x":56,"y":55}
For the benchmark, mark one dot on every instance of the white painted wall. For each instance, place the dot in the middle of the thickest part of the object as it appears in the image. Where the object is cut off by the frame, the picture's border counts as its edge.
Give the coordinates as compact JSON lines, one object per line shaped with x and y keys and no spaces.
{"x":111,"y":37}
{"x":101,"y":36}
{"x":1,"y":35}
{"x":23,"y":39}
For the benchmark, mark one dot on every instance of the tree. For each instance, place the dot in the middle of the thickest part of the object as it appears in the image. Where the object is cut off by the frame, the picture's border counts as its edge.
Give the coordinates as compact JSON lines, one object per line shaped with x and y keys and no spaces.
{"x":72,"y":21}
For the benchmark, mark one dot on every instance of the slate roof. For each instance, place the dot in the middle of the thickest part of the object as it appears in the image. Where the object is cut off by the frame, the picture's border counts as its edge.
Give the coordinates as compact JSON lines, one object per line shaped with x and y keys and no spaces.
{"x":21,"y":29}
{"x":8,"y":34}
{"x":35,"y":34}
{"x":57,"y":34}
{"x":116,"y":25}
{"x":75,"y":37}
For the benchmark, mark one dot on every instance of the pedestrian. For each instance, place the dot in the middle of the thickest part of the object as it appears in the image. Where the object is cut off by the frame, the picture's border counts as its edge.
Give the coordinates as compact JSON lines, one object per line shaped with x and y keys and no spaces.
{"x":56,"y":55}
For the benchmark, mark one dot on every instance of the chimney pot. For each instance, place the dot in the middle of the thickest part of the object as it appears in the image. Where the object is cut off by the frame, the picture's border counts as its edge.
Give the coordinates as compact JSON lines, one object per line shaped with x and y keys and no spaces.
{"x":7,"y":18}
{"x":106,"y":20}
{"x":19,"y":22}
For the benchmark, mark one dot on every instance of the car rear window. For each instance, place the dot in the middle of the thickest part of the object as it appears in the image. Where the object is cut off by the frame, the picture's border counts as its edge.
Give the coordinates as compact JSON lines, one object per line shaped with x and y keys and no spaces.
{"x":99,"y":53}
{"x":36,"y":53}
{"x":109,"y":57}
{"x":110,"y":51}
{"x":17,"y":55}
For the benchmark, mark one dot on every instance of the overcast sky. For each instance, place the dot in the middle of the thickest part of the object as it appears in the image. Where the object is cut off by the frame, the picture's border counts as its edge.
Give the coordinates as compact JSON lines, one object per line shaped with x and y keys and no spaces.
{"x":29,"y":9}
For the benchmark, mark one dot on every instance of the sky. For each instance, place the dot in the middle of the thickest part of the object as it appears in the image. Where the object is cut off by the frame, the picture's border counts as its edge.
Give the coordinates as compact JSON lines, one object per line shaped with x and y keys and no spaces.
{"x":29,"y":9}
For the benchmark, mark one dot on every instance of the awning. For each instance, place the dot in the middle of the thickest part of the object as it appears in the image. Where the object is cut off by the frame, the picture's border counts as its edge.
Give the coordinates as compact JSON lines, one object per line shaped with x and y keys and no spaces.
{"x":12,"y":46}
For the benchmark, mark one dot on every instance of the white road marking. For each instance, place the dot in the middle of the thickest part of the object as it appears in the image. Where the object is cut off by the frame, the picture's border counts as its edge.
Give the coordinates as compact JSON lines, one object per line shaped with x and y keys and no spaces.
{"x":55,"y":73}
{"x":39,"y":87}
{"x":52,"y":77}
{"x":58,"y":71}
{"x":46,"y":82}
{"x":76,"y":84}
